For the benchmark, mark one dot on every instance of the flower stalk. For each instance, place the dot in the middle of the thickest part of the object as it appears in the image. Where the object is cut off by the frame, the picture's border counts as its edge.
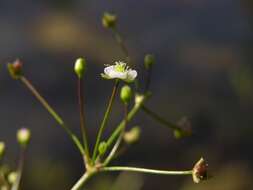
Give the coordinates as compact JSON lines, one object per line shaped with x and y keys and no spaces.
{"x":105,"y":119}
{"x":159,"y":119}
{"x":82,"y":118}
{"x":52,"y":112}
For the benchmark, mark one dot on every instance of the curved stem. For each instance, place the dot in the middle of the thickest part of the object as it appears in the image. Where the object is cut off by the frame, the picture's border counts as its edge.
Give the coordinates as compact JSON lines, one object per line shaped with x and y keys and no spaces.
{"x":119,"y":140}
{"x":82,"y":117}
{"x":52,"y":112}
{"x":160,"y":119}
{"x":144,"y":170}
{"x":105,"y":119}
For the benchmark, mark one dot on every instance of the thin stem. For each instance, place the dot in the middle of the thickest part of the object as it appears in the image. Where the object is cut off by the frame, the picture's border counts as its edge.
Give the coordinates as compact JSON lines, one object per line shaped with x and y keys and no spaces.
{"x":105,"y":119}
{"x":57,"y":118}
{"x":131,"y":114}
{"x":82,"y":117}
{"x":160,"y":119}
{"x":119,"y":140}
{"x":121,"y":43}
{"x":81,"y":182}
{"x":144,"y":170}
{"x":20,"y":169}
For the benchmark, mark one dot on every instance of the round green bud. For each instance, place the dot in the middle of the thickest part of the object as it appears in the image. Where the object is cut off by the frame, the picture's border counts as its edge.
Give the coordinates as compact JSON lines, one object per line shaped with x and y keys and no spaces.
{"x":102,"y":148}
{"x":132,"y":136}
{"x":2,"y":149}
{"x":15,"y":69}
{"x":12,"y":177}
{"x":109,"y":20}
{"x":80,"y":67}
{"x":149,"y":60}
{"x":126,"y":94}
{"x":23,"y":136}
{"x":178,"y":134}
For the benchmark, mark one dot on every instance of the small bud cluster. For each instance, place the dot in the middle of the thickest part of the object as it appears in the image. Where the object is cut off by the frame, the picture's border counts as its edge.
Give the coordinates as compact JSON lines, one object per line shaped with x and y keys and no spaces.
{"x":15,"y":69}
{"x":109,"y":20}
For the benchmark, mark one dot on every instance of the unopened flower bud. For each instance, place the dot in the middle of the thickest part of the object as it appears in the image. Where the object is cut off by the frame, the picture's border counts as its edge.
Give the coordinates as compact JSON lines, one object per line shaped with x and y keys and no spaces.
{"x":132,"y":136}
{"x":126,"y":94}
{"x":12,"y":177}
{"x":80,"y":67}
{"x":15,"y":69}
{"x":2,"y":149}
{"x":199,"y":171}
{"x":102,"y":148}
{"x":23,"y":136}
{"x":149,"y":60}
{"x":109,"y":20}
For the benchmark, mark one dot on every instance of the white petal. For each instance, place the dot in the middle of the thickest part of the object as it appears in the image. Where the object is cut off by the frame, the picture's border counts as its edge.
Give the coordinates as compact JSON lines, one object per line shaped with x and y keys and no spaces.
{"x":108,"y":70}
{"x":131,"y":75}
{"x":119,"y":75}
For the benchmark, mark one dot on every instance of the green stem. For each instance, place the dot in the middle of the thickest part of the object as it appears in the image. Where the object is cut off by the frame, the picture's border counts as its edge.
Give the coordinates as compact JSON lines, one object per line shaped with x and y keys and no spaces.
{"x":105,"y":119}
{"x":58,"y":119}
{"x":81,"y":182}
{"x":82,"y":117}
{"x":119,"y":140}
{"x":131,"y":114}
{"x":160,"y":119}
{"x":144,"y":170}
{"x":19,"y":170}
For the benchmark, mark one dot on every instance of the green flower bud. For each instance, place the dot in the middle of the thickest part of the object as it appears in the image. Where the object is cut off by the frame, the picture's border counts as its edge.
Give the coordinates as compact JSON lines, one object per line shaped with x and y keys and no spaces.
{"x":132,"y":136}
{"x":80,"y":67}
{"x":109,"y":20}
{"x":2,"y":149}
{"x":23,"y":136}
{"x":102,"y":148}
{"x":126,"y":94}
{"x":149,"y":60}
{"x":12,"y":177}
{"x":15,"y":69}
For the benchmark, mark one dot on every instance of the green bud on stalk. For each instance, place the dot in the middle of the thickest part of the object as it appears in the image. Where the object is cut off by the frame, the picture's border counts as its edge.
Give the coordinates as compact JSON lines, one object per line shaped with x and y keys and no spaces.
{"x":102,"y":148}
{"x":12,"y":177}
{"x":149,"y":61}
{"x":23,"y":136}
{"x":80,"y":67}
{"x":126,"y":94}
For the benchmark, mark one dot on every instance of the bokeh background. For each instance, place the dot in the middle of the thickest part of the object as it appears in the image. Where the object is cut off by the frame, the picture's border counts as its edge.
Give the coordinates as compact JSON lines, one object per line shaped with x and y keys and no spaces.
{"x":203,"y":50}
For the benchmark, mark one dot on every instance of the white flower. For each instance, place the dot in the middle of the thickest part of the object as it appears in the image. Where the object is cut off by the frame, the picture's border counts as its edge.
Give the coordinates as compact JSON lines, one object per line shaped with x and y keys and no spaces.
{"x":121,"y":71}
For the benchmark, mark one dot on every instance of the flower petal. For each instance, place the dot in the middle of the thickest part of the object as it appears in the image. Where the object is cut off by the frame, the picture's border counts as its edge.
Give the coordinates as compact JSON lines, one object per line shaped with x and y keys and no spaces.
{"x":131,"y":75}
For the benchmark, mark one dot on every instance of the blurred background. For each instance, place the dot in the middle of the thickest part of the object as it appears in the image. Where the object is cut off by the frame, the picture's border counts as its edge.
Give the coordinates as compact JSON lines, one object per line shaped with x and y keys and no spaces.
{"x":203,"y":50}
